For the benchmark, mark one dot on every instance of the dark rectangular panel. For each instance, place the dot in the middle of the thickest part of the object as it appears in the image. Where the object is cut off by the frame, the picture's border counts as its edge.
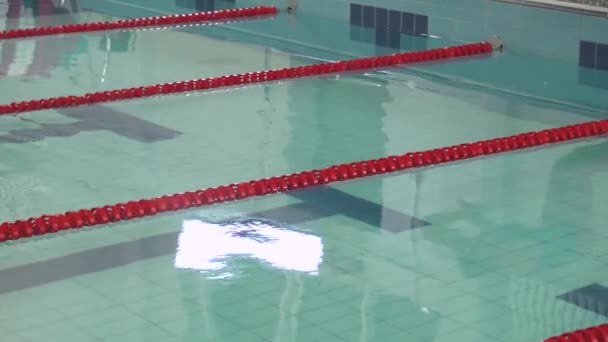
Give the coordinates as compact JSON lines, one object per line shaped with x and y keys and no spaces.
{"x":356,"y":14}
{"x":601,"y":56}
{"x":407,"y":23}
{"x":421,"y":25}
{"x":369,"y":16}
{"x":394,"y":39}
{"x":209,"y":5}
{"x":587,"y":54}
{"x":381,"y":36}
{"x":394,"y":21}
{"x":381,"y":18}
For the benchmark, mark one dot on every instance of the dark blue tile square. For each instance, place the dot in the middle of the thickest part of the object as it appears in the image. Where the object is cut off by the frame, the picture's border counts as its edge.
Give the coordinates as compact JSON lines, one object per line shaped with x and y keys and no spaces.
{"x":356,"y":14}
{"x":381,"y":36}
{"x":199,"y":5}
{"x":224,"y":4}
{"x":394,"y":39}
{"x":381,"y":18}
{"x":587,"y":54}
{"x":421,"y":26}
{"x":592,"y":298}
{"x":369,"y":16}
{"x":601,"y":57}
{"x":407,"y":23}
{"x":394,"y":21}
{"x":210,"y":5}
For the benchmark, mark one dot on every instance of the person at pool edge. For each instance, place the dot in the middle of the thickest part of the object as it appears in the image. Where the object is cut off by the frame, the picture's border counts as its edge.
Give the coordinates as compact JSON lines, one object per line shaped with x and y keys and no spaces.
{"x":291,"y":6}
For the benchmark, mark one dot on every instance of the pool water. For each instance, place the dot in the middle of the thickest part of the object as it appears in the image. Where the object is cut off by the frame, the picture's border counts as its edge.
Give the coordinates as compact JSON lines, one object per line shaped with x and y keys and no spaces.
{"x":508,"y":248}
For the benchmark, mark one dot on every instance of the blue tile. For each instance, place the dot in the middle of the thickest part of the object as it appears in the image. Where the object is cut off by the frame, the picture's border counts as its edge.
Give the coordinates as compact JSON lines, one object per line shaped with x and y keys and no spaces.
{"x":407,"y":42}
{"x":368,"y":35}
{"x":593,"y":77}
{"x":394,"y":21}
{"x":593,"y":298}
{"x":601,"y":57}
{"x":210,"y":5}
{"x":382,"y":36}
{"x":355,"y":33}
{"x":421,"y":26}
{"x":381,"y":18}
{"x":356,"y":14}
{"x":394,"y":39}
{"x":369,"y":16}
{"x":199,"y":5}
{"x":225,"y":4}
{"x":420,"y":43}
{"x":407,"y":23}
{"x":587,"y":54}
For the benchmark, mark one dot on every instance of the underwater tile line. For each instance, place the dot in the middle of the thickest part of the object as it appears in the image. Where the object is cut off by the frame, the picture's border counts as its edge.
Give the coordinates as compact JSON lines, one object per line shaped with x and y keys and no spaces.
{"x":105,"y":215}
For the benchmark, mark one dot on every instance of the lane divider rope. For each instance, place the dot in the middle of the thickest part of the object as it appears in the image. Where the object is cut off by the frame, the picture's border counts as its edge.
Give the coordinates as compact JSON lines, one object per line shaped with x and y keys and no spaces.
{"x":175,"y":19}
{"x":47,"y":224}
{"x":248,"y":78}
{"x":592,"y":334}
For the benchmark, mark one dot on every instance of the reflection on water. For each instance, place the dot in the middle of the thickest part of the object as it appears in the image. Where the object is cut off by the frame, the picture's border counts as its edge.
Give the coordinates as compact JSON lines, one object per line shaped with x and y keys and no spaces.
{"x":31,"y":58}
{"x":215,"y":247}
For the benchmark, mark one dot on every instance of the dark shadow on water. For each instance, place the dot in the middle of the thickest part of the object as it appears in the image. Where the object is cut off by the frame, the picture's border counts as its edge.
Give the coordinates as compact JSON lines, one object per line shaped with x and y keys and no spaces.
{"x":93,"y":118}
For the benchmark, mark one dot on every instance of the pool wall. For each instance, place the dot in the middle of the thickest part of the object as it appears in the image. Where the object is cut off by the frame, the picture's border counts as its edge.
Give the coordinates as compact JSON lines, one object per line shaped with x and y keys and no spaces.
{"x":558,"y":55}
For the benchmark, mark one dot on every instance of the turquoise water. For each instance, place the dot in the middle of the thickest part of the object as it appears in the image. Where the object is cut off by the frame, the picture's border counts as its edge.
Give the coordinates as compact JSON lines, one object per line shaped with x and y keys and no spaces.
{"x":474,"y":251}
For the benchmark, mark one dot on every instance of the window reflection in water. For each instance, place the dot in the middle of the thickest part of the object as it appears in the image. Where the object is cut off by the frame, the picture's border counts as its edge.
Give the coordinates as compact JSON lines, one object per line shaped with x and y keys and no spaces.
{"x":215,"y":247}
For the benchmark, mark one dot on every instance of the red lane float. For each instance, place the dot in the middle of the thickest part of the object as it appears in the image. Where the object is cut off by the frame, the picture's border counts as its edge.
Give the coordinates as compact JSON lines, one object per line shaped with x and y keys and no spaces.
{"x":47,"y":224}
{"x":175,"y":19}
{"x":247,"y":78}
{"x":593,"y":334}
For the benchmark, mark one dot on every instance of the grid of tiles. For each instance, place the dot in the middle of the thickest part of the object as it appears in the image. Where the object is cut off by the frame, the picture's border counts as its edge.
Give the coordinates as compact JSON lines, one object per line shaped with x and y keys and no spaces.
{"x":487,"y":271}
{"x":593,"y":55}
{"x":205,"y":5}
{"x":388,"y":25}
{"x":593,"y":62}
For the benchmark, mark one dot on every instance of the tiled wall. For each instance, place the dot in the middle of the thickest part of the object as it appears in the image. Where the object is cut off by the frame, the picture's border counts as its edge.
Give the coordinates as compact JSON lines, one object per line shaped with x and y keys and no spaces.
{"x":593,"y":62}
{"x":205,"y":5}
{"x":543,"y":46}
{"x":593,"y":55}
{"x":389,"y":26}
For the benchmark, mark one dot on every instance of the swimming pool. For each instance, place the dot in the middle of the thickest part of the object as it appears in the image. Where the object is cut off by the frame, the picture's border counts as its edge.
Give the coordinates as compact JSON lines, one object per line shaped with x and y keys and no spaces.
{"x":507,"y":248}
